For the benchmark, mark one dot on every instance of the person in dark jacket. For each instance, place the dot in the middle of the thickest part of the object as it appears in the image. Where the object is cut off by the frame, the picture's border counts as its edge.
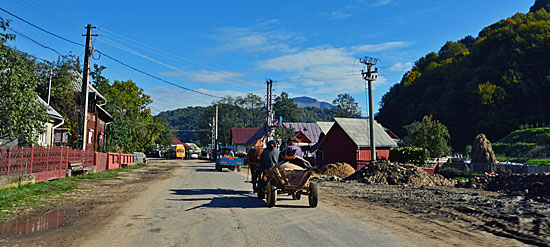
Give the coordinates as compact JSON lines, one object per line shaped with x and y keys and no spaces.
{"x":269,"y":157}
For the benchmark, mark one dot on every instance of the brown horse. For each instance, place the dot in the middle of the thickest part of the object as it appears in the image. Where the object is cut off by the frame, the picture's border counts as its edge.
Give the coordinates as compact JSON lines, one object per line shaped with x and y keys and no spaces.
{"x":253,"y":160}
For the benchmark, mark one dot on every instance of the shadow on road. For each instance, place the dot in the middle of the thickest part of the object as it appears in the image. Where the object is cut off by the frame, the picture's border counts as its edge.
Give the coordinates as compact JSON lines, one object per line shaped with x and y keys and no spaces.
{"x":230,"y":198}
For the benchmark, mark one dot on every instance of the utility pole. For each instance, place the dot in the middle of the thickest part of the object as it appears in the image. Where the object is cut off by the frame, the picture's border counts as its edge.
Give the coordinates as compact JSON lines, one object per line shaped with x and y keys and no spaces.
{"x":269,"y":108}
{"x":216,"y":135}
{"x":82,"y":131}
{"x":50,"y":86}
{"x":369,"y":76}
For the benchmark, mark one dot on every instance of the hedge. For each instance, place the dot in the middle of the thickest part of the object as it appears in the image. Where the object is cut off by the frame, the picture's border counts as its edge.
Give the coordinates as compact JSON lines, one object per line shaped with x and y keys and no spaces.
{"x":415,"y":155}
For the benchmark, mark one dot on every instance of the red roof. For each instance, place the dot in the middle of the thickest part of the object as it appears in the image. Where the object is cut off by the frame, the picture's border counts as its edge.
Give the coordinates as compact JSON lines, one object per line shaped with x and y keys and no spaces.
{"x":241,"y":135}
{"x":175,"y":140}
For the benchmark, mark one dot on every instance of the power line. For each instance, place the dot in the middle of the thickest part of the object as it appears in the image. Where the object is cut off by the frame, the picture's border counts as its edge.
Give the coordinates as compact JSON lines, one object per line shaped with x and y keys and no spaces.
{"x":41,"y":29}
{"x":112,"y":58}
{"x":34,"y":41}
{"x":156,"y":77}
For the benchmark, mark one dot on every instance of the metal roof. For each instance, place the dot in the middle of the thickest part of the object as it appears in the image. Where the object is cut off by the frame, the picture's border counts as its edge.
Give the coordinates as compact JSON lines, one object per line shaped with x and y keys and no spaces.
{"x":310,"y":130}
{"x":359,"y":132}
{"x":325,"y":126}
{"x":242,"y":135}
{"x":77,"y":85}
{"x":52,"y":112}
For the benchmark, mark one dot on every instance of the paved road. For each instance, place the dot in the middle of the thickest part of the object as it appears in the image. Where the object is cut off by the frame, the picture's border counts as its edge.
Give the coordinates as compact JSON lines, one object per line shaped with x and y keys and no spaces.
{"x":199,"y":206}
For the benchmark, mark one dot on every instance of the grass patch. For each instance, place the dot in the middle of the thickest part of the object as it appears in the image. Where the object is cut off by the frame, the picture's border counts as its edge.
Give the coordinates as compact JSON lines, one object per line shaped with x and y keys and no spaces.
{"x":461,"y":178}
{"x":35,"y":195}
{"x":538,"y":162}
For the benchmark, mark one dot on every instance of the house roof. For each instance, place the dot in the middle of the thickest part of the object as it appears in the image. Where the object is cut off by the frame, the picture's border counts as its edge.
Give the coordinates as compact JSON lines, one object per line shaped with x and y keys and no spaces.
{"x":77,"y":86}
{"x":310,"y":130}
{"x":175,"y":140}
{"x":241,"y":136}
{"x":104,"y":114}
{"x":325,"y":126}
{"x":258,"y":135}
{"x":359,"y":132}
{"x":52,"y":112}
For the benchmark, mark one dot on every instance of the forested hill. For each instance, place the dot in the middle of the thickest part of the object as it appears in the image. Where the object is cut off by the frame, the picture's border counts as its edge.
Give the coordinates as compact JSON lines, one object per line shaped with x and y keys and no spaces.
{"x":190,"y":124}
{"x":488,"y":84}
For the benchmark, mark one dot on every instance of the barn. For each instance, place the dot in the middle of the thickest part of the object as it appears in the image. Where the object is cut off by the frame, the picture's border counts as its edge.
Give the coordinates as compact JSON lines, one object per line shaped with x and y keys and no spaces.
{"x":348,"y":140}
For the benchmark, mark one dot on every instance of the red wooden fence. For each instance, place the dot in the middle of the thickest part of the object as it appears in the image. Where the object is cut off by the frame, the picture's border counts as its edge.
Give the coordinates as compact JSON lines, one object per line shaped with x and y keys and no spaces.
{"x":52,"y":163}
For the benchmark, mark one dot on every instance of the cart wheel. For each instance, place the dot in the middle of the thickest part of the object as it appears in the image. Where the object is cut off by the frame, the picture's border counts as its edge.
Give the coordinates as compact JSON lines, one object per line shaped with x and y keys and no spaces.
{"x":261,"y":189}
{"x":296,"y":195}
{"x":271,"y":194}
{"x":232,"y":168}
{"x":313,"y":194}
{"x":218,"y":167}
{"x":238,"y":168}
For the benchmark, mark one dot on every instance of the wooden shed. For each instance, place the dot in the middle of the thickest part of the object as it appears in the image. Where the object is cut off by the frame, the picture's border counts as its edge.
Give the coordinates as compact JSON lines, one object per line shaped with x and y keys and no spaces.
{"x":348,"y":140}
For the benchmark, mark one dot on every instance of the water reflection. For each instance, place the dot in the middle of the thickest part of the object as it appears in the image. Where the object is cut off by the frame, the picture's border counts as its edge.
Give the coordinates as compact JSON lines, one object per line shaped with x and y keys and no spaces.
{"x":35,"y":223}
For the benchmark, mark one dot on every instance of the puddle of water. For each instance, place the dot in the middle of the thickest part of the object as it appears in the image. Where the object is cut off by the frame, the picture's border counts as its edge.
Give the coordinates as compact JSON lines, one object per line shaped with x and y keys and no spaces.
{"x":35,"y":223}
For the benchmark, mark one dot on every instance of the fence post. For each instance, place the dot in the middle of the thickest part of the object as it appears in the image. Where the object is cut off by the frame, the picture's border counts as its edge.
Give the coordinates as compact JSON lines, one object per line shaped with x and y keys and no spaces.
{"x":21,"y":160}
{"x":32,"y":158}
{"x":9,"y":159}
{"x":48,"y":159}
{"x":60,"y":161}
{"x":67,"y":159}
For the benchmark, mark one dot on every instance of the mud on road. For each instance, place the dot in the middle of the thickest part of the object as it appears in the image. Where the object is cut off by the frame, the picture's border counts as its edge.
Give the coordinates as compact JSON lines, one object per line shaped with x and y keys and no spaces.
{"x":514,"y":217}
{"x":93,"y":204}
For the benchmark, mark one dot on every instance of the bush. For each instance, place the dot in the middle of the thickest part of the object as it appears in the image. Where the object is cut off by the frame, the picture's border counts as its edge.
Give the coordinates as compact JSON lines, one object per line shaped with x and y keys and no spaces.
{"x":415,"y":155}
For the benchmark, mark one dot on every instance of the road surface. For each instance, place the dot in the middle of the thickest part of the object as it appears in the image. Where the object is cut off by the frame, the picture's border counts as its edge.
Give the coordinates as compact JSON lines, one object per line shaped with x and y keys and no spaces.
{"x":199,"y":206}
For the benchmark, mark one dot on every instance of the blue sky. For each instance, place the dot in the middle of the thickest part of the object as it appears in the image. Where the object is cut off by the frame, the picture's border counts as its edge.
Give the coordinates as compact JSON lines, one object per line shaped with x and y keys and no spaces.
{"x":310,"y":48}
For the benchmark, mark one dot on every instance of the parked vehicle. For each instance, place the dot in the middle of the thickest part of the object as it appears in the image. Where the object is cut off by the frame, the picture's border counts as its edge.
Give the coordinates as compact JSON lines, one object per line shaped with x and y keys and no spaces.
{"x":176,"y":152}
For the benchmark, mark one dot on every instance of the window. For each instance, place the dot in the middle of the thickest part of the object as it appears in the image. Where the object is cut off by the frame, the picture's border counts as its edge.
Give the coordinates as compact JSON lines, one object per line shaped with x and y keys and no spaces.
{"x":90,"y":135}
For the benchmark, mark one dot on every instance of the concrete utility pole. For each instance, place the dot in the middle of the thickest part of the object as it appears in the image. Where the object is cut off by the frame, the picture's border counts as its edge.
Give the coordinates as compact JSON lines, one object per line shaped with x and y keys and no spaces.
{"x":82,"y":131}
{"x":269,"y":106}
{"x":369,"y":76}
{"x":216,"y":136}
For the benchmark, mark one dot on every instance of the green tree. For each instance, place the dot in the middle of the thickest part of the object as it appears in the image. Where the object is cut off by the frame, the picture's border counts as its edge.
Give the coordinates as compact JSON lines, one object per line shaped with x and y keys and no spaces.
{"x":428,"y":134}
{"x":346,"y":106}
{"x":285,"y":107}
{"x":21,"y":114}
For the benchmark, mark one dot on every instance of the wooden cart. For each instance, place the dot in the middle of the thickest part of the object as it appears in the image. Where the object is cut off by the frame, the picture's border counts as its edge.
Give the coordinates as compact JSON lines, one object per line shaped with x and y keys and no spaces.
{"x":292,"y":181}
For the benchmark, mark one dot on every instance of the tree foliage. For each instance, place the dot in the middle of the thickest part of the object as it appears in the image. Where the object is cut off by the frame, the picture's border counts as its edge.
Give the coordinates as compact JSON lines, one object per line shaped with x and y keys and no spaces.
{"x":285,"y":107}
{"x":346,"y":106}
{"x":489,"y":84}
{"x":430,"y":135}
{"x":22,"y":115}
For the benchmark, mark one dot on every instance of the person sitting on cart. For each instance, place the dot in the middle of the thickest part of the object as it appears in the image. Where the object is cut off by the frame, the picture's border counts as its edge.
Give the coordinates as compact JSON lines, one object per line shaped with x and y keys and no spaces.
{"x":293,"y":149}
{"x":268,"y":159}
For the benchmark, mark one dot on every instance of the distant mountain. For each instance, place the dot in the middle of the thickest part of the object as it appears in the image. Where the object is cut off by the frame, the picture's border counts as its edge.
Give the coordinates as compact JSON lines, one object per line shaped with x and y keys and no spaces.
{"x":305,"y":101}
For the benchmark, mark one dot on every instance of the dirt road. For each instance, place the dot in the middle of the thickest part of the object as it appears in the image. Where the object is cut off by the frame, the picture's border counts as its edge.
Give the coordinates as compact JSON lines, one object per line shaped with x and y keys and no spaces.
{"x":194,"y":205}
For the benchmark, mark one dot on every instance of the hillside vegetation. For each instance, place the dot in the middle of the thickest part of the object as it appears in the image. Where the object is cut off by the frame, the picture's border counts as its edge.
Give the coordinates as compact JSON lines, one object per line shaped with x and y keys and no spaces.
{"x":526,"y":143}
{"x":491,"y":84}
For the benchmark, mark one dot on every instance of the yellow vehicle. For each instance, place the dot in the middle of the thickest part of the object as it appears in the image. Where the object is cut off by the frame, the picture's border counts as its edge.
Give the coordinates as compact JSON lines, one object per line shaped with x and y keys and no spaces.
{"x":176,"y":152}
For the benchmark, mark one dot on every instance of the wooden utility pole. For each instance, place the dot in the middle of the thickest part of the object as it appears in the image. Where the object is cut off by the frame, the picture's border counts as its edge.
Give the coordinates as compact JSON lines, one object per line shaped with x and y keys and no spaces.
{"x":82,"y":130}
{"x":369,"y":76}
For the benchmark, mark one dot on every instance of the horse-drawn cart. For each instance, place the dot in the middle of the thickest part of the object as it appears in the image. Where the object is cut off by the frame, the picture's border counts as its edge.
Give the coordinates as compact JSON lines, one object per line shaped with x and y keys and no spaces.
{"x":289,"y":178}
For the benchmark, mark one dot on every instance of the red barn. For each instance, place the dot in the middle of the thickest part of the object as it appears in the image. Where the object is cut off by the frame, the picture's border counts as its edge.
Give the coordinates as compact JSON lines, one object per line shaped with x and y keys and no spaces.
{"x":348,"y":140}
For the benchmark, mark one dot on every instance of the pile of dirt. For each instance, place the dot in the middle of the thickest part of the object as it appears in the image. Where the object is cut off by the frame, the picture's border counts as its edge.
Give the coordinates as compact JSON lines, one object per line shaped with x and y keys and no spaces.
{"x":339,"y":169}
{"x":386,"y":172}
{"x":533,"y":185}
